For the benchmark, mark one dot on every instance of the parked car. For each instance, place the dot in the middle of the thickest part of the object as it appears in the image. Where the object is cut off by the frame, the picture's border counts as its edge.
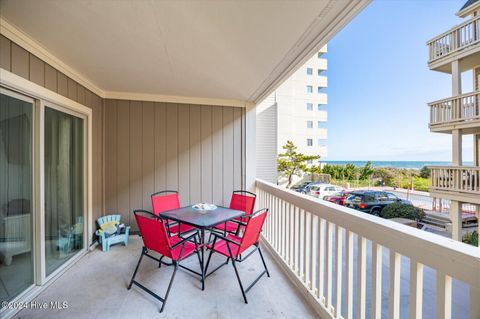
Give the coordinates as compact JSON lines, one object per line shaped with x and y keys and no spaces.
{"x":337,"y":198}
{"x":322,"y":190}
{"x":372,"y":202}
{"x":303,"y":187}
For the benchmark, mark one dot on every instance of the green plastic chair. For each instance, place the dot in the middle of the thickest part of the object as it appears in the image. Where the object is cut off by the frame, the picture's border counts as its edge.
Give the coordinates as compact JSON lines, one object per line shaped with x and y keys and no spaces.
{"x":107,"y":234}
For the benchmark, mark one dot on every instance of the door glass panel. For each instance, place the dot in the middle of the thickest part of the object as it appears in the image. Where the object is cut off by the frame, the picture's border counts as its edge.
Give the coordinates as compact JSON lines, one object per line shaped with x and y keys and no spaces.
{"x":16,"y":256}
{"x":64,"y":194}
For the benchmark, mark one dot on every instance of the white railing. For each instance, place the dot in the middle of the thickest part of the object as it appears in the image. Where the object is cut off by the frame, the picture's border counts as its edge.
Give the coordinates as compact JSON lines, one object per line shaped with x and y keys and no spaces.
{"x":455,"y":39}
{"x":464,"y":107}
{"x":464,"y":179}
{"x":321,"y":244}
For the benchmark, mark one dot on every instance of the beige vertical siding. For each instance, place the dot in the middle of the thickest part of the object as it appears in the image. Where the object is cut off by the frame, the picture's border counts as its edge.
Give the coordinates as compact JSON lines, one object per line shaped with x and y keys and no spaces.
{"x":17,"y":60}
{"x":195,"y":149}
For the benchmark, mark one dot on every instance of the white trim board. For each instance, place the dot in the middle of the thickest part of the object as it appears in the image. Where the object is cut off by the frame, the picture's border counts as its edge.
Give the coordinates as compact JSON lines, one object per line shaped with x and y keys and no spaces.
{"x":175,"y":99}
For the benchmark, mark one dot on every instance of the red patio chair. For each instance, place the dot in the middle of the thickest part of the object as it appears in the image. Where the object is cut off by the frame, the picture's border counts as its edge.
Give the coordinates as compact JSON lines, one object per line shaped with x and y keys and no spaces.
{"x":156,"y":239}
{"x":168,"y":200}
{"x":241,"y":200}
{"x":232,"y":247}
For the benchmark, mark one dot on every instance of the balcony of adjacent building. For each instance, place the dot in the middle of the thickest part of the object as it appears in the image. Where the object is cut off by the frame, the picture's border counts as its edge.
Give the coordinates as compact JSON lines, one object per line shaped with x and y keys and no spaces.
{"x":457,"y":112}
{"x":459,"y":183}
{"x":460,"y":42}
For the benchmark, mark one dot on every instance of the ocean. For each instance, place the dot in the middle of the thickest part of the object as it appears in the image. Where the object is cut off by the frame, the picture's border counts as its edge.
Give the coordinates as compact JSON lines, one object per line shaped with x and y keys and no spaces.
{"x":396,"y":164}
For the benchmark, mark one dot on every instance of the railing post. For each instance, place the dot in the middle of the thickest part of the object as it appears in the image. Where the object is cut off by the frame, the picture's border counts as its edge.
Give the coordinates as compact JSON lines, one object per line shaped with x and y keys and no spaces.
{"x":416,"y":289}
{"x":376,"y":281}
{"x":361,"y":276}
{"x":394,"y":285}
{"x":321,"y":259}
{"x":444,"y":296}
{"x":349,"y":276}
{"x":338,"y":270}
{"x":329,"y":259}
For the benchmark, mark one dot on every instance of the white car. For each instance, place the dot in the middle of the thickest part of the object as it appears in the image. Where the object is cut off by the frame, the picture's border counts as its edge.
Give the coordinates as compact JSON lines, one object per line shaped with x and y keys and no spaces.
{"x":319,"y":191}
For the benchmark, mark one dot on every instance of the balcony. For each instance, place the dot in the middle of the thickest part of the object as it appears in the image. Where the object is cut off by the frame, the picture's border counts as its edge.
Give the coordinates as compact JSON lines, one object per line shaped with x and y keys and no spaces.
{"x":326,"y":260}
{"x":457,"y":43}
{"x":458,"y":112}
{"x":456,"y":182}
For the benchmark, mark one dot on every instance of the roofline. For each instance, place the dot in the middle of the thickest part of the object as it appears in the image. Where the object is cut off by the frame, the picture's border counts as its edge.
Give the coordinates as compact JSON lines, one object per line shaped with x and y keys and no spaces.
{"x":466,"y":11}
{"x":315,"y":45}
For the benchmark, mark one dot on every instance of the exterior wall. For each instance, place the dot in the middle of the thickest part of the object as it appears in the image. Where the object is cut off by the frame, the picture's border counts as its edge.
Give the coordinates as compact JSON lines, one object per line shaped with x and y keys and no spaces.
{"x":195,"y":149}
{"x":283,"y":116}
{"x":17,"y":60}
{"x":266,"y":140}
{"x":292,"y":98}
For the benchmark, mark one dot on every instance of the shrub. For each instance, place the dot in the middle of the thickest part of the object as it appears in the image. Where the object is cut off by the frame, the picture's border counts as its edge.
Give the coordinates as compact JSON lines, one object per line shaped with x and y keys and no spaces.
{"x":401,"y":210}
{"x":471,"y":238}
{"x":425,"y":172}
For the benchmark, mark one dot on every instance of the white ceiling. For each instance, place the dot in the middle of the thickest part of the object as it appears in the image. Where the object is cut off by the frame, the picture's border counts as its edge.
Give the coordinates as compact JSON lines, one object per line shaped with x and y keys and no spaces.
{"x":208,"y":49}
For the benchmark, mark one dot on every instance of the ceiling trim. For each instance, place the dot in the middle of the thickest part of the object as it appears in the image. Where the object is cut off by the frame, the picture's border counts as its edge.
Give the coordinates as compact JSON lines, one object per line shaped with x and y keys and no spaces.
{"x":175,"y":99}
{"x":16,"y":35}
{"x":286,"y":68}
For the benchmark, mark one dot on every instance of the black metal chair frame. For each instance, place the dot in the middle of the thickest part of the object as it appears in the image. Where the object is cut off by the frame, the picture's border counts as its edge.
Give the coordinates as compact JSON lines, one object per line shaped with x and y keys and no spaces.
{"x":176,"y":264}
{"x":234,"y":260}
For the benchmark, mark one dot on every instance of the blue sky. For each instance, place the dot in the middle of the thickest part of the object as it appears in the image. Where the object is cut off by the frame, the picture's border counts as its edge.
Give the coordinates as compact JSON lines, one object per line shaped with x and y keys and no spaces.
{"x":379,"y":83}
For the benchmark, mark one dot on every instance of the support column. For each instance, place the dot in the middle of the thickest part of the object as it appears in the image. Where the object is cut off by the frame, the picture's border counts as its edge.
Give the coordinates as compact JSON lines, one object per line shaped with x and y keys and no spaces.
{"x":476,"y":150}
{"x":250,"y":147}
{"x":478,"y":223}
{"x":456,"y":78}
{"x":456,"y":218}
{"x":456,"y":147}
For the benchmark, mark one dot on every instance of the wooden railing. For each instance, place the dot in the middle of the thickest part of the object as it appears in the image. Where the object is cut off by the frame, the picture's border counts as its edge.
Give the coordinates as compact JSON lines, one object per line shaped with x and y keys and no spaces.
{"x":458,"y":108}
{"x":321,"y":244}
{"x":455,"y":39}
{"x":464,"y":179}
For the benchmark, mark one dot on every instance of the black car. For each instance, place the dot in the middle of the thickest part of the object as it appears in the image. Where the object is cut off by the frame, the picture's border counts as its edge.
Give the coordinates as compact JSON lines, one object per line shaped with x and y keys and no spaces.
{"x":372,"y":202}
{"x":303,"y":187}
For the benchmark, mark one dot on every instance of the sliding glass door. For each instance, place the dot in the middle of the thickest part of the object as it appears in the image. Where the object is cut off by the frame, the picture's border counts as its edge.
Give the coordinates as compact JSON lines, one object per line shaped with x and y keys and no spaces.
{"x":64,"y":187}
{"x":16,"y":232}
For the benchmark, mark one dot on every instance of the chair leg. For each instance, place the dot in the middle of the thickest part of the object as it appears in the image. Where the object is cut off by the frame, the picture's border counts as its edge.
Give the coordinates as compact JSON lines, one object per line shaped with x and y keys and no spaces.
{"x":169,"y":286}
{"x":208,"y":261}
{"x":239,"y":281}
{"x":263,"y":260}
{"x":136,"y":269}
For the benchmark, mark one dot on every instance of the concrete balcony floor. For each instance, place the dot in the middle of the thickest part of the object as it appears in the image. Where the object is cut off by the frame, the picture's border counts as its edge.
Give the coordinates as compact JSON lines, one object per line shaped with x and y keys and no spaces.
{"x":95,"y":287}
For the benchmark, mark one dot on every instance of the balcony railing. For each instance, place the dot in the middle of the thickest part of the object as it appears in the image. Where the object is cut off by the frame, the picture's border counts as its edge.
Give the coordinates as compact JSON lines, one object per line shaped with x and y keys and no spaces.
{"x":463,"y":179}
{"x":321,"y":244}
{"x":457,"y":38}
{"x":464,"y":107}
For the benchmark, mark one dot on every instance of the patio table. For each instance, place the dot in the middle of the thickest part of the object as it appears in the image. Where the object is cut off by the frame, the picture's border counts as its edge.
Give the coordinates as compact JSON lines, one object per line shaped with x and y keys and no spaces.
{"x":203,"y":220}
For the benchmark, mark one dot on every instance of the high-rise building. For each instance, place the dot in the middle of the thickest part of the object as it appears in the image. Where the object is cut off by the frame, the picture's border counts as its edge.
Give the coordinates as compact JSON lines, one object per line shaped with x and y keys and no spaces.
{"x":295,"y":111}
{"x":454,"y":52}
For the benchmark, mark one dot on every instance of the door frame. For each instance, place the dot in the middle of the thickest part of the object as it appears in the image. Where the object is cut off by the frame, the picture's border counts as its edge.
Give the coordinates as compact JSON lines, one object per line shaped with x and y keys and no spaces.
{"x":45,"y":98}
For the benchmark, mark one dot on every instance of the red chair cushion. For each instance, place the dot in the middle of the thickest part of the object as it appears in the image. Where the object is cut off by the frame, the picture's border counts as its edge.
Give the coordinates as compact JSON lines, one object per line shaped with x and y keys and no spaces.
{"x":243,"y":202}
{"x":221,"y":246}
{"x":183,"y":228}
{"x":189,"y":248}
{"x":231,"y":227}
{"x":162,"y":203}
